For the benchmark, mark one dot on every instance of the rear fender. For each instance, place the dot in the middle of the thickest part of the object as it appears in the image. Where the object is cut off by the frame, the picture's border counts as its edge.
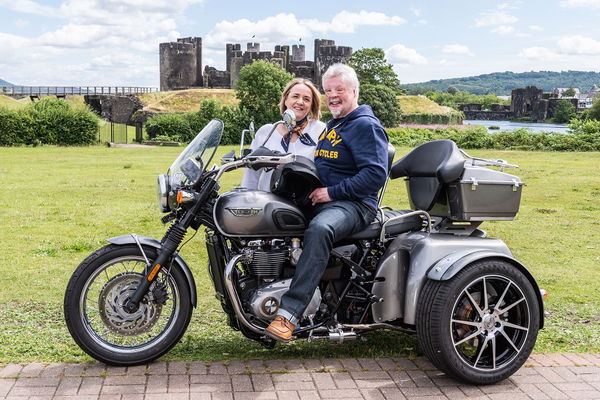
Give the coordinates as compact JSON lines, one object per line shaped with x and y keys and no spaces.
{"x":449,"y":266}
{"x":177,"y":262}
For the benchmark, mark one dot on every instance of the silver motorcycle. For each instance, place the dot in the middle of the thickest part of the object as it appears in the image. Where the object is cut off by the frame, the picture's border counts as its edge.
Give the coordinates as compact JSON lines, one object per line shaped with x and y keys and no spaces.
{"x":475,"y":309}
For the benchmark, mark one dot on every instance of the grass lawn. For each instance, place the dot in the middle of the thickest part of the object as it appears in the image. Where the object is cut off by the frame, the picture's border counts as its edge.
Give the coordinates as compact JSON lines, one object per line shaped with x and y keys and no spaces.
{"x":59,"y":204}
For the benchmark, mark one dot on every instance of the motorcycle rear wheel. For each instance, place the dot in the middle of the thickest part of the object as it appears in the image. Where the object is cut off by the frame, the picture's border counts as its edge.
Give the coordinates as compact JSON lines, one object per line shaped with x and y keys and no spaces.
{"x":95,"y":316}
{"x":480,"y":326}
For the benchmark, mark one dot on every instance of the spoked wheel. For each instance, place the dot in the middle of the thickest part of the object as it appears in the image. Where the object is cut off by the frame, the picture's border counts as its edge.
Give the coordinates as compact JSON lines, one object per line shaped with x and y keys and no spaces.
{"x":480,"y":326}
{"x":100,"y":325}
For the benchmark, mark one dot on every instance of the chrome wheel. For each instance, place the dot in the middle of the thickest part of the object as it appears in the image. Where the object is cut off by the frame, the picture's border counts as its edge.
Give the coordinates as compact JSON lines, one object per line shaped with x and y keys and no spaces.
{"x":106,"y":291}
{"x":490,"y":322}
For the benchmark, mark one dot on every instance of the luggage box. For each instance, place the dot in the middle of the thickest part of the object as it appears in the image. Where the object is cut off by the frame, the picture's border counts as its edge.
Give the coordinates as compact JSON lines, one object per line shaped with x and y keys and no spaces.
{"x":484,"y":194}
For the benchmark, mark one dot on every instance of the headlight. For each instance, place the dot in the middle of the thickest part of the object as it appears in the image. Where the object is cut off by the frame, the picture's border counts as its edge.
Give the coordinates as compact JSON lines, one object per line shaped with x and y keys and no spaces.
{"x":162,"y":192}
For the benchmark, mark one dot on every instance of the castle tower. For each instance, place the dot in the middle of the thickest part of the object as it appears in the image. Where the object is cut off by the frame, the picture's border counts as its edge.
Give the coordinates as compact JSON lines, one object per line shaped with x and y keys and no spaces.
{"x":180,"y":64}
{"x":327,"y":54}
{"x":298,"y":52}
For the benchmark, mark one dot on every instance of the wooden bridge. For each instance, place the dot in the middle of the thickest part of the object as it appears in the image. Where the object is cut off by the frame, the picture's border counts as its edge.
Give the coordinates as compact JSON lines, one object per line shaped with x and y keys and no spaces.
{"x":63,"y":91}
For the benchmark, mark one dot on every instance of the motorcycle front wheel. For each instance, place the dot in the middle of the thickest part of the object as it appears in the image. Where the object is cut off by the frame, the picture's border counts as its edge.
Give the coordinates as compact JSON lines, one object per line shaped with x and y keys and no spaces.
{"x":480,"y":326}
{"x":99,"y":324}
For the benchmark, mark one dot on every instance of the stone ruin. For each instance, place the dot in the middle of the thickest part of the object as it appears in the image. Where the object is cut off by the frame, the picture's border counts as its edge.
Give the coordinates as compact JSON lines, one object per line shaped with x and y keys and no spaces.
{"x":181,"y":62}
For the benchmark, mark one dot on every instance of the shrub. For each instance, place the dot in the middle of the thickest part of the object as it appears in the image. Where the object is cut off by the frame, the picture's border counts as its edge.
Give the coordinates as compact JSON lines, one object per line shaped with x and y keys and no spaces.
{"x":49,"y":121}
{"x":384,"y":103}
{"x":563,"y":111}
{"x":175,"y":126}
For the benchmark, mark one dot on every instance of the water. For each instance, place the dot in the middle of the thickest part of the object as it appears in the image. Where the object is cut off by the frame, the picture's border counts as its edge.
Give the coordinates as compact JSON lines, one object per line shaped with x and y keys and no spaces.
{"x":511,"y":126}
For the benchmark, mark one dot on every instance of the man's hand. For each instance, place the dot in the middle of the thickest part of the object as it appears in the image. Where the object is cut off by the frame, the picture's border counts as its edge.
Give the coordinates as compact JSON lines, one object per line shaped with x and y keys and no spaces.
{"x":319,"y":195}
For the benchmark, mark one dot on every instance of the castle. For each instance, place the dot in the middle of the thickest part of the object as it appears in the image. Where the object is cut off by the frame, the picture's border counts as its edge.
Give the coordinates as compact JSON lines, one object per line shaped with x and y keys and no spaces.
{"x":181,"y":62}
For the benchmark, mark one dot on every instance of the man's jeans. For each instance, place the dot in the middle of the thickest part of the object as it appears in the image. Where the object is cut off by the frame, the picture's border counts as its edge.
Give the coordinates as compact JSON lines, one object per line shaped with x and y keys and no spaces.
{"x":333,"y":221}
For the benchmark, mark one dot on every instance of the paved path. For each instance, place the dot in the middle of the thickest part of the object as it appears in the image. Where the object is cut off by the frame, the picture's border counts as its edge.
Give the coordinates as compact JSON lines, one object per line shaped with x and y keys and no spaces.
{"x":554,"y":376}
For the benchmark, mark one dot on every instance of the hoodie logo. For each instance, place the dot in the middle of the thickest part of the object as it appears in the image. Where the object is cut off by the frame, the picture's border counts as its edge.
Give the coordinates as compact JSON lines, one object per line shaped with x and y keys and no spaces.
{"x":332,"y":136}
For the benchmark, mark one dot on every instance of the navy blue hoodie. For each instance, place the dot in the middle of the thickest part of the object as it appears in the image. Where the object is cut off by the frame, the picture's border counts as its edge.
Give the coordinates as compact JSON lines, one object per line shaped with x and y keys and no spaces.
{"x":351,"y":157}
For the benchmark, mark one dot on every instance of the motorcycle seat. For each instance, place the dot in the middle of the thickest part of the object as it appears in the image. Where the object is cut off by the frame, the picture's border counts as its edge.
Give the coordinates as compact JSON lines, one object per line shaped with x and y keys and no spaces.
{"x":401,"y":225}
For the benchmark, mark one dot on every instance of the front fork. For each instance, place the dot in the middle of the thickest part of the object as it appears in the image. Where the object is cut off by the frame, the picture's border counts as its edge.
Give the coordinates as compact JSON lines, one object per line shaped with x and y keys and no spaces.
{"x":170,"y":242}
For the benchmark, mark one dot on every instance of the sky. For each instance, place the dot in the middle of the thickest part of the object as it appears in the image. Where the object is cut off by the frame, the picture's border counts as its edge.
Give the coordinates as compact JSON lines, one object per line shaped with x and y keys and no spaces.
{"x":115,"y":42}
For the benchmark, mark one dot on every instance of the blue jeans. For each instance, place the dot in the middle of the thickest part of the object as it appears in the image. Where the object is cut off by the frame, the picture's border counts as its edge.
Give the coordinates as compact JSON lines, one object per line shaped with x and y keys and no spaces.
{"x":332,"y":222}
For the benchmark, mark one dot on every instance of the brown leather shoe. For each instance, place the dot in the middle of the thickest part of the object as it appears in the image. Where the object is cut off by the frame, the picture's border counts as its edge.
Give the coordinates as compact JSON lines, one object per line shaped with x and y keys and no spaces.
{"x":280,"y":329}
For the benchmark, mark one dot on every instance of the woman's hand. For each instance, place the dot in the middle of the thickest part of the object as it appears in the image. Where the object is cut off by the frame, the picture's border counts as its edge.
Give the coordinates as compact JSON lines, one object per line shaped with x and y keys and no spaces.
{"x":319,"y":195}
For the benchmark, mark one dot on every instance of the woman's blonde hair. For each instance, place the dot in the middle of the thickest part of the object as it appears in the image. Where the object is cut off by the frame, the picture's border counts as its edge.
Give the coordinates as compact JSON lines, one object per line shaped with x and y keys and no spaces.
{"x":315,"y":107}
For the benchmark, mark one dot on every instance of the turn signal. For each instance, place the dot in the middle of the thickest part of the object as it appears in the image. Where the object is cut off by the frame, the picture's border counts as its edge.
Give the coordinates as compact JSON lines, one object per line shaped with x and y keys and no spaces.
{"x":183,"y":196}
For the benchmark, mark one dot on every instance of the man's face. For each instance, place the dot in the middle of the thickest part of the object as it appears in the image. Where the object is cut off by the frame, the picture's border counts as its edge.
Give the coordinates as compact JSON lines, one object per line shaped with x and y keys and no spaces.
{"x":340,"y":99}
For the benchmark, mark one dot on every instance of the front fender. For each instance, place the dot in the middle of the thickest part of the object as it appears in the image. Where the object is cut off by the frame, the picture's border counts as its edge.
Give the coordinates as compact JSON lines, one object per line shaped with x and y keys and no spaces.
{"x":450,"y":265}
{"x":178,"y":261}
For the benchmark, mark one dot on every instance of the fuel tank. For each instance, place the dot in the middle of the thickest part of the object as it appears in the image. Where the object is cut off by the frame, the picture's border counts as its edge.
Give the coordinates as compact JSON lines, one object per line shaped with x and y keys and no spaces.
{"x":250,"y":213}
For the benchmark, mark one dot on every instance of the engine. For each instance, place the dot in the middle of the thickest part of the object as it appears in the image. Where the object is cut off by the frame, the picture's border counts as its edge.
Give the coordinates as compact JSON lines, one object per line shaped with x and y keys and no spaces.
{"x":269,"y":267}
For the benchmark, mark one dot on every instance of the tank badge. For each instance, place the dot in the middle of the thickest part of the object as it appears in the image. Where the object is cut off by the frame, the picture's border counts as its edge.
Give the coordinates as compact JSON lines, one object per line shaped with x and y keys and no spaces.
{"x":244,"y":212}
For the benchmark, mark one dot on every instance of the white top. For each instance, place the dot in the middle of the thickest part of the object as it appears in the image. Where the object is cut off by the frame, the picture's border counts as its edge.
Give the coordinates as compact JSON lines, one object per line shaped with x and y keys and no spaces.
{"x":261,"y":179}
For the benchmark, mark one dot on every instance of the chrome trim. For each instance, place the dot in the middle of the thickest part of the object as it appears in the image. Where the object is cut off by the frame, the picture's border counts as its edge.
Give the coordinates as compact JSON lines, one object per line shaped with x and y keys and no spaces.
{"x":235,"y":300}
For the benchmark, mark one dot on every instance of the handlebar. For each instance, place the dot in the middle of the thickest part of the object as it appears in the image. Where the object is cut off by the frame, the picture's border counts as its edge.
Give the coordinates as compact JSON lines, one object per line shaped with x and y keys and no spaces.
{"x":254,"y":161}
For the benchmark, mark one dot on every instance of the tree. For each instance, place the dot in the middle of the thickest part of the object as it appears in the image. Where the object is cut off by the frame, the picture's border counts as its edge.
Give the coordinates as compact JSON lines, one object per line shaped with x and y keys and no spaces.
{"x":570,"y":92}
{"x":372,"y":69}
{"x":384,"y":103}
{"x":563,"y":111}
{"x":452,"y":90}
{"x":594,"y":112}
{"x":259,"y":90}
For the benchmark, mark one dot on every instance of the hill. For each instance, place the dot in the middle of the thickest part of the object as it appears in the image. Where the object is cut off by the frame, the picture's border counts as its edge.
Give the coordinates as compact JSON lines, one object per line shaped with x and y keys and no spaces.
{"x":501,"y":83}
{"x":5,"y":83}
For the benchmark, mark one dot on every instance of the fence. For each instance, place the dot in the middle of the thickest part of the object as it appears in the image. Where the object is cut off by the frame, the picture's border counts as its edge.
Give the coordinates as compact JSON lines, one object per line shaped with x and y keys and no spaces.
{"x":121,"y":133}
{"x":71,"y":90}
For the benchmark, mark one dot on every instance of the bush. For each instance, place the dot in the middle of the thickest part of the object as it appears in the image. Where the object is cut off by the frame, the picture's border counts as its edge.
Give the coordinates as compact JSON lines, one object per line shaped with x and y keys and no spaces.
{"x":48,"y":121}
{"x":594,"y":112}
{"x":259,"y":90}
{"x":384,"y":103}
{"x":585,"y":137}
{"x":175,"y":126}
{"x":563,"y":111}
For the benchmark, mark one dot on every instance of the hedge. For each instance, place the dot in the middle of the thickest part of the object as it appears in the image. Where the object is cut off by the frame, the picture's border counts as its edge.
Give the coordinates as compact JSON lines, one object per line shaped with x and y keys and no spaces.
{"x":48,"y":121}
{"x":585,"y":136}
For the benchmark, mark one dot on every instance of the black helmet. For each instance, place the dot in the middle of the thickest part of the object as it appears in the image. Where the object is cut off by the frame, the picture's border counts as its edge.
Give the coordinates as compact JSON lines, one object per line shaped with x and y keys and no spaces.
{"x":295,"y":181}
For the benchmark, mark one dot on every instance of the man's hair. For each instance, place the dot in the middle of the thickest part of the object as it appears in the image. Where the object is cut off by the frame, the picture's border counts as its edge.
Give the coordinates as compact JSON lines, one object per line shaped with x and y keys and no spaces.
{"x":346,"y":74}
{"x":315,"y":107}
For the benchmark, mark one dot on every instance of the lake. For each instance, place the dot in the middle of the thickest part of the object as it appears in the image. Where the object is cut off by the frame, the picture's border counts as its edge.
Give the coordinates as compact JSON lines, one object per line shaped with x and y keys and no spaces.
{"x":511,"y":126}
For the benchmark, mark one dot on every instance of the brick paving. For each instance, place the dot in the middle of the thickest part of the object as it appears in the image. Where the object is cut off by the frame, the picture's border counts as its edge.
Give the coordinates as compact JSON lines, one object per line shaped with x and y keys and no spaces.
{"x":544,"y":376}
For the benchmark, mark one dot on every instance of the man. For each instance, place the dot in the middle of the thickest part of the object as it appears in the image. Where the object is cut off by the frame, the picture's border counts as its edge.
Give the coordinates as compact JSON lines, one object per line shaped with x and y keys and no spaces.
{"x":351,"y":159}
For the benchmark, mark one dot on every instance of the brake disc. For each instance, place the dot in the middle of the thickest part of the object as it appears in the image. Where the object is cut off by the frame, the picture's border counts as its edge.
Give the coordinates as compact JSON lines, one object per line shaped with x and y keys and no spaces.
{"x":114,"y":294}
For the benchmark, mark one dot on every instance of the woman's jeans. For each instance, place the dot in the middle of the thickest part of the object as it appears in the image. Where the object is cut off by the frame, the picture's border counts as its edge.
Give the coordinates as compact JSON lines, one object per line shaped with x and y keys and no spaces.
{"x":332,"y":222}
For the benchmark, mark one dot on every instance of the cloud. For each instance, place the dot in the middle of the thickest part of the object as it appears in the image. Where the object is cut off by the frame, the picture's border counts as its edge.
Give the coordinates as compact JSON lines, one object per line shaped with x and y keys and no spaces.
{"x":580,"y":3}
{"x":503,"y":30}
{"x":578,"y":44}
{"x":285,"y":27}
{"x":416,"y":11}
{"x":456,"y":49}
{"x":422,"y":21}
{"x":536,"y":28}
{"x":538,"y":53}
{"x":491,"y":18}
{"x":30,"y":7}
{"x":399,"y":54}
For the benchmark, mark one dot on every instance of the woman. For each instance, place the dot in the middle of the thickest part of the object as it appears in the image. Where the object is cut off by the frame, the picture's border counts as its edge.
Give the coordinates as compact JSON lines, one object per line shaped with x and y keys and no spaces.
{"x":303,"y":98}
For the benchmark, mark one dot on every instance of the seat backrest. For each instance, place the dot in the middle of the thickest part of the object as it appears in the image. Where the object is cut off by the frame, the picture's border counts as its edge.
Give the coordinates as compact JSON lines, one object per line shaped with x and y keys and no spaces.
{"x":391,"y":153}
{"x":440,"y":158}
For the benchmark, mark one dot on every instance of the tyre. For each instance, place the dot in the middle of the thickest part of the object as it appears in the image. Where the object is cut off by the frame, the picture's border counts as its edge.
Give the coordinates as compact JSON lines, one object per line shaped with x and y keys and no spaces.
{"x":94,"y":313}
{"x":480,"y":326}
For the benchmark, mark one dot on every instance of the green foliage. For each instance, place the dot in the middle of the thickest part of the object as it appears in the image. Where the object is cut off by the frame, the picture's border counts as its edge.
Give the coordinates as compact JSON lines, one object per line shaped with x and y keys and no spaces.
{"x":48,"y":121}
{"x":384,"y":103}
{"x":449,"y":99}
{"x":372,"y":69}
{"x":502,"y":83}
{"x":184,"y":127}
{"x":585,"y":137}
{"x":570,"y":92}
{"x":563,"y":111}
{"x":259,"y":90}
{"x":430,"y":118}
{"x":175,"y":126}
{"x":594,"y":112}
{"x":452,"y":90}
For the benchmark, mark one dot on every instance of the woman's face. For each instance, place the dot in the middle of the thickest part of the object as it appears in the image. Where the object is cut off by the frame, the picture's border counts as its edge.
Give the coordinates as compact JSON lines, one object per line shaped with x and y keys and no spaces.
{"x":299,"y":100}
